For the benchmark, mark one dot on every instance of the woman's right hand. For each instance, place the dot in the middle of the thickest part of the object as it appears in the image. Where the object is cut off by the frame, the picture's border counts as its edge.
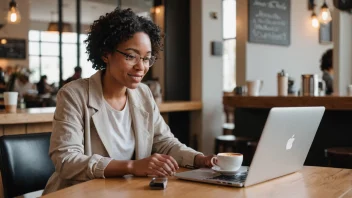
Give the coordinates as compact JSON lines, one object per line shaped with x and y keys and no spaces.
{"x":156,"y":164}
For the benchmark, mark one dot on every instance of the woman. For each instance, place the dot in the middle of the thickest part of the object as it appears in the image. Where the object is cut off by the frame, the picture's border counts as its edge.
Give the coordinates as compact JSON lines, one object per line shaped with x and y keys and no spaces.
{"x":109,"y":125}
{"x":328,"y":71}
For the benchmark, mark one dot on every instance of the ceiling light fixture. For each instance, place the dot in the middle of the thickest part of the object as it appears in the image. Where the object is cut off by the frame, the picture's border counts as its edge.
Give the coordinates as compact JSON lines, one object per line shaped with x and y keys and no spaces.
{"x":315,"y":20}
{"x":54,"y":26}
{"x":325,"y":15}
{"x":13,"y":15}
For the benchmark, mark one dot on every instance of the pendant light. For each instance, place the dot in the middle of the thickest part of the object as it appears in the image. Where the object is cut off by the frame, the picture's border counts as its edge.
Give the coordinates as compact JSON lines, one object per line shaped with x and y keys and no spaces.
{"x":54,"y":26}
{"x":325,"y":15}
{"x":315,"y":20}
{"x":13,"y":15}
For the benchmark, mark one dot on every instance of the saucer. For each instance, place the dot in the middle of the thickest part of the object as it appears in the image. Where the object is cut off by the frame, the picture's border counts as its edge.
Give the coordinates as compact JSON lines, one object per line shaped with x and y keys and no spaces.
{"x":226,"y":172}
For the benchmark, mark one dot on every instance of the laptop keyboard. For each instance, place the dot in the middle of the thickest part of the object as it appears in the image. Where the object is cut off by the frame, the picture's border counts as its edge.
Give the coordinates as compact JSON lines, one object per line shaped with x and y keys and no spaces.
{"x":239,"y":178}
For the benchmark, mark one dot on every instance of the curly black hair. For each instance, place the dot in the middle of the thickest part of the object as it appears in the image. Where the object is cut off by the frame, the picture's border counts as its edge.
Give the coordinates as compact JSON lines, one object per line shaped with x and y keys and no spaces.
{"x":114,"y":28}
{"x":326,"y":60}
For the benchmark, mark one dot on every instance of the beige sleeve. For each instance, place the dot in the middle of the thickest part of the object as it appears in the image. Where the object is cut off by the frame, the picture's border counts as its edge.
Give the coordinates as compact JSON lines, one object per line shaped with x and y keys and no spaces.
{"x":164,"y":141}
{"x":66,"y":144}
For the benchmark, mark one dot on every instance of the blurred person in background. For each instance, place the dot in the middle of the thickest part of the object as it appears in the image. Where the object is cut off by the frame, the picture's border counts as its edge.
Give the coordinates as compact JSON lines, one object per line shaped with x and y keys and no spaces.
{"x":2,"y":77}
{"x":23,"y":86}
{"x":328,"y":71}
{"x":77,"y":75}
{"x":43,"y":87}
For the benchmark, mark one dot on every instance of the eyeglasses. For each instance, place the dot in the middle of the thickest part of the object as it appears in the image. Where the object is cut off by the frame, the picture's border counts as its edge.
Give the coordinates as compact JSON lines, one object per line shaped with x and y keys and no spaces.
{"x":134,"y":59}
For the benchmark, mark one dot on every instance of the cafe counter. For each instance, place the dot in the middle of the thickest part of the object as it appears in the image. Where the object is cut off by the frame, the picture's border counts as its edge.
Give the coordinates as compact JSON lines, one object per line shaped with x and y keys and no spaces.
{"x":36,"y":120}
{"x":329,"y":102}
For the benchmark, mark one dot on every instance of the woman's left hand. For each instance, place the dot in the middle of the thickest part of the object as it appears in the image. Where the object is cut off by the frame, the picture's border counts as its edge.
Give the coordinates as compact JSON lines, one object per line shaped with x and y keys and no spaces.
{"x":202,"y":161}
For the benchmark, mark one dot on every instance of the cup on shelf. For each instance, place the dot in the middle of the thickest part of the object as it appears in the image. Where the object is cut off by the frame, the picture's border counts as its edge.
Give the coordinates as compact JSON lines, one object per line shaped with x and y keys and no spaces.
{"x":254,"y":87}
{"x":349,"y":90}
{"x":282,"y":83}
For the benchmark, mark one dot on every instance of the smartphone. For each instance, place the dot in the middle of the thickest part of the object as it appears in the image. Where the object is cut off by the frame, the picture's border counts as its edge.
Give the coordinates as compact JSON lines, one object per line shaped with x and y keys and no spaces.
{"x":158,"y":183}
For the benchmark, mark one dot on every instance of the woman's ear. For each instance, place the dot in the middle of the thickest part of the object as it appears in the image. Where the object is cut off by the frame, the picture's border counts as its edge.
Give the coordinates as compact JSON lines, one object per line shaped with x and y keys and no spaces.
{"x":105,"y":58}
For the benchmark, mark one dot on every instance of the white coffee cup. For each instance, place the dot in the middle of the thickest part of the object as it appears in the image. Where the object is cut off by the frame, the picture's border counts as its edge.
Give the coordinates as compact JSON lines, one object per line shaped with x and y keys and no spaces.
{"x":228,"y":161}
{"x":10,"y":101}
{"x":254,"y":87}
{"x":349,"y":90}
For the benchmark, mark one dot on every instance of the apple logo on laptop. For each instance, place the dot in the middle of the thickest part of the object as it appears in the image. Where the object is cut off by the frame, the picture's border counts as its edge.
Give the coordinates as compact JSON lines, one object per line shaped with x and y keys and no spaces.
{"x":290,"y":142}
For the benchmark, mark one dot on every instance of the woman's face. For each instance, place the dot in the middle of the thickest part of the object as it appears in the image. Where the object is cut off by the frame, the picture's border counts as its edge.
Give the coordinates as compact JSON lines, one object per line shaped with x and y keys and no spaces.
{"x":121,"y":70}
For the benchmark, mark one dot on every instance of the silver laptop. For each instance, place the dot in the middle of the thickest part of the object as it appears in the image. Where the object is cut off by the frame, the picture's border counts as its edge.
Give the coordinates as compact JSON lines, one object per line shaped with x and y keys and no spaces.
{"x":282,"y":149}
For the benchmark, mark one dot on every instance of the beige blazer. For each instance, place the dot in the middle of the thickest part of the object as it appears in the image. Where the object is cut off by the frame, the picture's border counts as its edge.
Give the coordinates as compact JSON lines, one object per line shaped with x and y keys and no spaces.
{"x":80,"y":146}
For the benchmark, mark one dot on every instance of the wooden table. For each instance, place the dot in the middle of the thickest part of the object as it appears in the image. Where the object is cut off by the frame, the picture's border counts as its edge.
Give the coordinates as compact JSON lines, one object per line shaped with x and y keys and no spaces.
{"x":309,"y":182}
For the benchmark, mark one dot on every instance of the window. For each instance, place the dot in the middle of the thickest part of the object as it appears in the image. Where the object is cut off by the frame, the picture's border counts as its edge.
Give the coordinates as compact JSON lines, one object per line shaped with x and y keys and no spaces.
{"x":229,"y":35}
{"x":44,"y":55}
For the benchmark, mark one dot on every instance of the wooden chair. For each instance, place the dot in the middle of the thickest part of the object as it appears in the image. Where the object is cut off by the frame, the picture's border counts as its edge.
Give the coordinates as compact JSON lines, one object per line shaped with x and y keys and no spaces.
{"x":339,"y":157}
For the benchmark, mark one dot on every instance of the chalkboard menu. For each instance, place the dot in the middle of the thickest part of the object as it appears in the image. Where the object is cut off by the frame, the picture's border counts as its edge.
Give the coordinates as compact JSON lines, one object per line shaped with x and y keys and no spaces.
{"x":269,"y":21}
{"x":12,"y":48}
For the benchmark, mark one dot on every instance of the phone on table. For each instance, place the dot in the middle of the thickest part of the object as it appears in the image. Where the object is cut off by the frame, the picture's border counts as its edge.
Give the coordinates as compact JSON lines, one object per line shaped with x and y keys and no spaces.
{"x":158,"y":183}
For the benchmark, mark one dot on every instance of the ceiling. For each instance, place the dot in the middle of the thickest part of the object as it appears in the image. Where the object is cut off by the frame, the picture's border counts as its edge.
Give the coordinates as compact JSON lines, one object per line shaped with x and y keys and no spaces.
{"x":47,"y":10}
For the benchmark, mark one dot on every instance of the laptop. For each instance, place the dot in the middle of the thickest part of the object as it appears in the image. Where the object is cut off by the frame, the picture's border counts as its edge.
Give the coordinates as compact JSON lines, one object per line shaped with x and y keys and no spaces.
{"x":282,"y":149}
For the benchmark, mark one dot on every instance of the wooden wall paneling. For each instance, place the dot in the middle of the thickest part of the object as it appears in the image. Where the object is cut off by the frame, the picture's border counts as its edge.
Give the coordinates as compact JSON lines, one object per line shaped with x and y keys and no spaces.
{"x":39,"y":127}
{"x":12,"y":129}
{"x":1,"y":130}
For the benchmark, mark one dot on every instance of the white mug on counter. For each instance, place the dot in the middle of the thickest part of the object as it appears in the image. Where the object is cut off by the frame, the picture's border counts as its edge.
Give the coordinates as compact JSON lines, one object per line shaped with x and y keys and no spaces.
{"x":254,"y":87}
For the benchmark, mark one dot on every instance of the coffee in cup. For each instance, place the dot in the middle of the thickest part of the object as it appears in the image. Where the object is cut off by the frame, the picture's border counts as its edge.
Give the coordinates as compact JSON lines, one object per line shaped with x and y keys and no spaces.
{"x":10,"y":101}
{"x":228,"y":161}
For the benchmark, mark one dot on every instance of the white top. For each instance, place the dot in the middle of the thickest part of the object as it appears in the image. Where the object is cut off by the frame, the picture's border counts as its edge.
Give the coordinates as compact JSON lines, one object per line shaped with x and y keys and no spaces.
{"x":119,"y":126}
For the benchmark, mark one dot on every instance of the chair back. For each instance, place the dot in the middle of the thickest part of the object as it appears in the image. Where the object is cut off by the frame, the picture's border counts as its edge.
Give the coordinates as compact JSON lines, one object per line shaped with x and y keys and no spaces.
{"x":24,"y":163}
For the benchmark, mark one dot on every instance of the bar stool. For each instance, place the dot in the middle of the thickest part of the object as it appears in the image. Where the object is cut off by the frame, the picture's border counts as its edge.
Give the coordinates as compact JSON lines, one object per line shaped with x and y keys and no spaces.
{"x":231,"y":143}
{"x":227,"y":128}
{"x":339,"y":157}
{"x":229,"y":124}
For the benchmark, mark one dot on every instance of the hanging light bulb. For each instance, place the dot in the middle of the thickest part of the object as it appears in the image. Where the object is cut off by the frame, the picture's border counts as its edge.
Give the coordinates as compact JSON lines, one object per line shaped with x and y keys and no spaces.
{"x":157,"y":10}
{"x":315,"y":21}
{"x":13,"y":15}
{"x":325,"y":15}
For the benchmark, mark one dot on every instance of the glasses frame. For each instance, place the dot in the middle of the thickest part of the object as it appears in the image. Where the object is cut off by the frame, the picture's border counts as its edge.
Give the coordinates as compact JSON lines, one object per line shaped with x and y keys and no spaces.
{"x":137,"y":56}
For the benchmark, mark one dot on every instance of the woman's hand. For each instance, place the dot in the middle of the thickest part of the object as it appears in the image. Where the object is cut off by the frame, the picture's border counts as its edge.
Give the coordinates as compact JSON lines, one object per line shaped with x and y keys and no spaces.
{"x":157,"y":164}
{"x":202,"y":161}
